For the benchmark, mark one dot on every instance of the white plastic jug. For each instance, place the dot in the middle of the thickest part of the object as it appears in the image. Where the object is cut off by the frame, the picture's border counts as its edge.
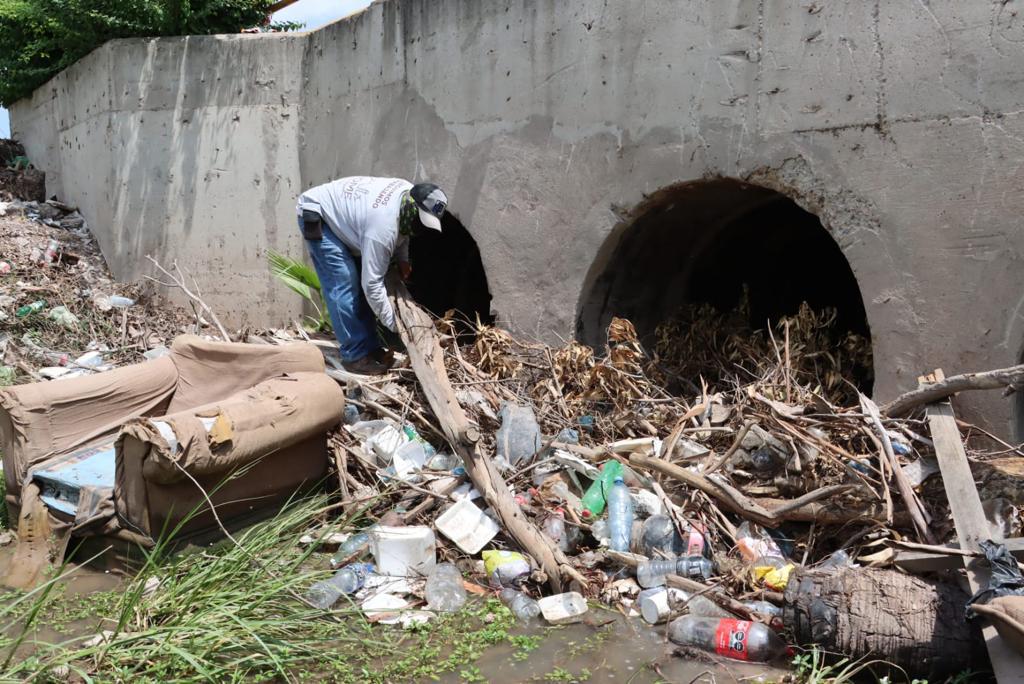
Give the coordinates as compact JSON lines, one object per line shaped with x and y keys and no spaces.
{"x":404,"y":551}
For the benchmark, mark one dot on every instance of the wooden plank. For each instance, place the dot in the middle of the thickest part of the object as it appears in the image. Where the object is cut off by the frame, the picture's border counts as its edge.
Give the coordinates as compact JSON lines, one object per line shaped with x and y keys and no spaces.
{"x":971,"y":527}
{"x":923,"y":561}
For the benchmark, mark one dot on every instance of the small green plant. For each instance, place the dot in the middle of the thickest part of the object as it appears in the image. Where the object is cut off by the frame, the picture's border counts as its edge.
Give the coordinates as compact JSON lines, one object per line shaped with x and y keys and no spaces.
{"x":812,"y":667}
{"x":302,"y":279}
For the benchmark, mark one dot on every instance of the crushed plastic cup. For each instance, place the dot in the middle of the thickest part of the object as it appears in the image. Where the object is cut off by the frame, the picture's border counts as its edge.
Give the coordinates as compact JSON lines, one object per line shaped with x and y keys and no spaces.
{"x":467,"y":526}
{"x":403,"y":551}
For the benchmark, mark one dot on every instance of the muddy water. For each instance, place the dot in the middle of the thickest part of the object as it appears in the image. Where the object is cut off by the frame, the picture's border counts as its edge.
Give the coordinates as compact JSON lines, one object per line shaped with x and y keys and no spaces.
{"x":618,"y":651}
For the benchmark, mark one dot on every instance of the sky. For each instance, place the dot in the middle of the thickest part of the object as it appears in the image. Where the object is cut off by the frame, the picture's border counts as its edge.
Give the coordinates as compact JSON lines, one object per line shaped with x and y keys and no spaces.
{"x":313,"y":13}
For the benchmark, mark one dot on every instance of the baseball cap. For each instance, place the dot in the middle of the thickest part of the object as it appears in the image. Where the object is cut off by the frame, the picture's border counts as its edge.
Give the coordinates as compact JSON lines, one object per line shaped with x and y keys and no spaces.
{"x":431,"y":201}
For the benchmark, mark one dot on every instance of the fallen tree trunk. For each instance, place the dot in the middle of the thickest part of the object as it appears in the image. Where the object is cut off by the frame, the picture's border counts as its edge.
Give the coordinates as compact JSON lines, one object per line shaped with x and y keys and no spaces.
{"x":421,"y":340}
{"x":1011,"y":378}
{"x":883,"y":615}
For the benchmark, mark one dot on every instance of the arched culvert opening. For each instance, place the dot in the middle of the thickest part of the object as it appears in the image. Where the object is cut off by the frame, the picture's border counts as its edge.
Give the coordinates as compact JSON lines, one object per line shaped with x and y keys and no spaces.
{"x":448,"y":274}
{"x":747,"y":254}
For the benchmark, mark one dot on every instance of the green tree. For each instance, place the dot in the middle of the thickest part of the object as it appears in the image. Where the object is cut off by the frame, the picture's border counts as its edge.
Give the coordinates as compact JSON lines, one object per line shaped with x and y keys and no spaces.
{"x":39,"y":38}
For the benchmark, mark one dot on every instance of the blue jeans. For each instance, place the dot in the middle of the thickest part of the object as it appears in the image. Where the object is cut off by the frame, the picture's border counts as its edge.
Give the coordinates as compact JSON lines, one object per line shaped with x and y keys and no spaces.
{"x":355,"y":326}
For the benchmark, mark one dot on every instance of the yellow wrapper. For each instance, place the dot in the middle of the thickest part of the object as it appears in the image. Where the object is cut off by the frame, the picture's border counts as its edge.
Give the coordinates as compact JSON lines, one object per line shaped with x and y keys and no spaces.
{"x":772,"y":577}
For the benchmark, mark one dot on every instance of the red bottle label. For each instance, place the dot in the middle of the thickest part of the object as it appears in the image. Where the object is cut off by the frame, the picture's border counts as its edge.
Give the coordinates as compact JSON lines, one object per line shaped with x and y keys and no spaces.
{"x":695,"y":543}
{"x":731,"y":639}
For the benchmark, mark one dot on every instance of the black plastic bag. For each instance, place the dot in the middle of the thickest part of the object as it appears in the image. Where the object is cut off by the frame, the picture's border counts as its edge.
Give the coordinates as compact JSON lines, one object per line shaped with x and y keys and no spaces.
{"x":1006,"y":578}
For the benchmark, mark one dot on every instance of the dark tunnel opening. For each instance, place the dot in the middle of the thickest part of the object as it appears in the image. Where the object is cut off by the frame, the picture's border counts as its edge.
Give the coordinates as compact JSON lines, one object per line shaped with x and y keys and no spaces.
{"x":448,"y":274}
{"x":745,"y":250}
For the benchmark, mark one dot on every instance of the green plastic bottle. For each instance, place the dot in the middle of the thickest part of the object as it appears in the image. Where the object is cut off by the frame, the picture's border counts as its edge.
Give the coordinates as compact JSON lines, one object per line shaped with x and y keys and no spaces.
{"x":595,"y":498}
{"x":29,"y":309}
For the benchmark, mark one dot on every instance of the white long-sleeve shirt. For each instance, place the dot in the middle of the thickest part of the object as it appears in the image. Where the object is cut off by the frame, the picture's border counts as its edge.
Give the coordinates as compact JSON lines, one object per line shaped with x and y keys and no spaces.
{"x":363,"y":212}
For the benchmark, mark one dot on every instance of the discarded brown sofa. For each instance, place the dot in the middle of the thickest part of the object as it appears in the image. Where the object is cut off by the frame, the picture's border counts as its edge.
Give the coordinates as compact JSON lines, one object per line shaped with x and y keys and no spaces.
{"x":141,"y":451}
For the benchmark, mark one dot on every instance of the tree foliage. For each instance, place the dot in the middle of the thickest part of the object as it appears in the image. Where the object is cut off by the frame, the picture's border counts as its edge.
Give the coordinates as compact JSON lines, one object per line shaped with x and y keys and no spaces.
{"x":39,"y":38}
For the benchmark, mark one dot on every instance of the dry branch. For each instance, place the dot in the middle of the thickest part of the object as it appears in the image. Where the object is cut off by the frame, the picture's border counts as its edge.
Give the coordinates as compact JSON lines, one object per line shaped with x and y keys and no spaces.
{"x":178,"y":281}
{"x":1011,"y":378}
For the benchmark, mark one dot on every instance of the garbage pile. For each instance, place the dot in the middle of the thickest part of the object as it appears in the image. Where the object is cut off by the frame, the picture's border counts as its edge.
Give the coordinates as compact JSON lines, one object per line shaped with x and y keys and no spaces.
{"x":62,"y":313}
{"x":704,"y":513}
{"x":18,"y":178}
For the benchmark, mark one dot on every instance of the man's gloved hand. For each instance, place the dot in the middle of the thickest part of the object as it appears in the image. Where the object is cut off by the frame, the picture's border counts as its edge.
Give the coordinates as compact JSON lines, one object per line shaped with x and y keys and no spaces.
{"x":405,"y":270}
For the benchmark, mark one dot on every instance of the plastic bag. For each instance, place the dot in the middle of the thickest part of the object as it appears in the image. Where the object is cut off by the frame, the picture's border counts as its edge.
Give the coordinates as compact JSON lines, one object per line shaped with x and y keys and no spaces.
{"x":1006,"y":578}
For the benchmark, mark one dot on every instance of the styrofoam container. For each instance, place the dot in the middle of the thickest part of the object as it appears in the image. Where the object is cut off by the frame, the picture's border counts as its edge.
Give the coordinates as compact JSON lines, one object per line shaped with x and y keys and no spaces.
{"x":403,"y":551}
{"x":466,"y":525}
{"x":562,"y":609}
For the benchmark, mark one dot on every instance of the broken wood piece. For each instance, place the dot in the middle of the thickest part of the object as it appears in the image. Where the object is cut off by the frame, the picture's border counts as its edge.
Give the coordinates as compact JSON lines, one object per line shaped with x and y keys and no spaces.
{"x":924,"y":558}
{"x":1011,"y":378}
{"x":971,"y":526}
{"x":423,"y":345}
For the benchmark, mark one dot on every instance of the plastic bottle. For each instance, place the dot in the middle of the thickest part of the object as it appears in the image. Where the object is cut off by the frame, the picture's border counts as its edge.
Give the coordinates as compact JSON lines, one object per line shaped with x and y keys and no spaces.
{"x":50,"y":253}
{"x":595,"y":497}
{"x":521,"y":605}
{"x":652,"y":573}
{"x":29,"y":309}
{"x":359,"y":542}
{"x":348,"y":580}
{"x":444,"y":591}
{"x":519,"y":435}
{"x":119,"y":302}
{"x":736,"y":639}
{"x":764,"y":608}
{"x":554,"y":527}
{"x":659,"y":534}
{"x":351,"y":416}
{"x":620,"y":516}
{"x":444,"y":461}
{"x":838,"y":559}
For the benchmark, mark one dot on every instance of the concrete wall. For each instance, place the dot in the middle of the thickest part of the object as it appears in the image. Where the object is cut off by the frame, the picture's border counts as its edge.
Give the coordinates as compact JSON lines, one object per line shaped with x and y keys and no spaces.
{"x":899,"y":123}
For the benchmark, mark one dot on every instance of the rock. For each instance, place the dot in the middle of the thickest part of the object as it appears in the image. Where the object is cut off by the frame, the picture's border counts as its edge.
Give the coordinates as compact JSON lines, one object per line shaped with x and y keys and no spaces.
{"x":1000,"y":478}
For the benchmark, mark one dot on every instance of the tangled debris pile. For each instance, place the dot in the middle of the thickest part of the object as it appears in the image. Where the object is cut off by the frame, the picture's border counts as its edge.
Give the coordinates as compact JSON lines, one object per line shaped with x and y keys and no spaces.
{"x":573,"y":477}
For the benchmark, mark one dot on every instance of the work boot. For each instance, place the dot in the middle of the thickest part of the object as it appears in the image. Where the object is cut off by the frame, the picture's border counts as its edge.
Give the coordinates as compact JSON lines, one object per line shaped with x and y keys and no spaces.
{"x":384,"y":356}
{"x":366,"y":366}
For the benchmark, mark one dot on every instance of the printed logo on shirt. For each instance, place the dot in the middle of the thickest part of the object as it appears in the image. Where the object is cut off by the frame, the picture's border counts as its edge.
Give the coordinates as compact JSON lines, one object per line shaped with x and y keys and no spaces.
{"x":355,"y":187}
{"x":385,"y":195}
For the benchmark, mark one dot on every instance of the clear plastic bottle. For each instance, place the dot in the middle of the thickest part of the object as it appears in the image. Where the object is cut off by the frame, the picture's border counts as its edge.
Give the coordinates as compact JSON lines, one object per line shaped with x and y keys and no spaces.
{"x":652,"y":573}
{"x":764,"y":608}
{"x":620,"y":516}
{"x":444,"y":591}
{"x":348,"y":580}
{"x":360,"y":541}
{"x":521,"y":605}
{"x":554,"y":527}
{"x":443,"y":461}
{"x":736,"y":639}
{"x":659,"y":534}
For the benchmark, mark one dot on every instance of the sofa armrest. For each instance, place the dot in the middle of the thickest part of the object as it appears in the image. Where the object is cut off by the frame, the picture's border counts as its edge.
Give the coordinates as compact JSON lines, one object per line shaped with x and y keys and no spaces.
{"x":221,"y":437}
{"x":45,"y":419}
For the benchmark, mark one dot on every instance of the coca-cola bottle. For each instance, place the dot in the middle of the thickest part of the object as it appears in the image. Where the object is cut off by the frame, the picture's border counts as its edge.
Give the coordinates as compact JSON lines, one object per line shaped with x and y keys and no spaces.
{"x":736,"y":639}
